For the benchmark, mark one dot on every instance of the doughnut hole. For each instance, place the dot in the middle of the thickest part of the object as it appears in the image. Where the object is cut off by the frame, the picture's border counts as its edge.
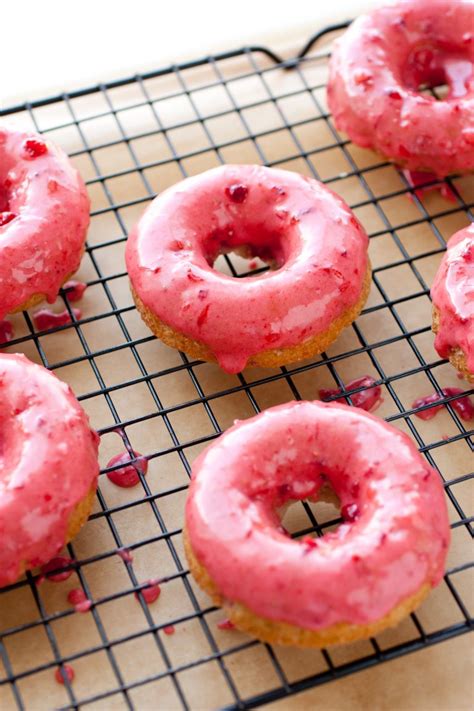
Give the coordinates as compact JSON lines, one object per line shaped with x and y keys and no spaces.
{"x":256,"y":225}
{"x":13,"y":186}
{"x":265,"y":252}
{"x":431,"y":66}
{"x":299,"y":518}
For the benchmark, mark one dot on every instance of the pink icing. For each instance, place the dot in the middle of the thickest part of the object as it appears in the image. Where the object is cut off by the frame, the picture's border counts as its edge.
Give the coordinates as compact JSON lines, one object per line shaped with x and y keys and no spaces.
{"x":394,"y":538}
{"x":421,"y":182}
{"x":79,"y":600}
{"x":375,"y":73}
{"x":48,"y":463}
{"x":225,"y":624}
{"x":83,"y":606}
{"x":463,"y":405}
{"x":127,"y":476}
{"x":66,"y":670}
{"x":44,"y":241}
{"x":49,"y":569}
{"x":76,"y":595}
{"x":74,"y":290}
{"x":125,"y":555}
{"x":453,"y":295}
{"x":151,"y":592}
{"x":305,"y":230}
{"x":368,"y":399}
{"x":44,"y":319}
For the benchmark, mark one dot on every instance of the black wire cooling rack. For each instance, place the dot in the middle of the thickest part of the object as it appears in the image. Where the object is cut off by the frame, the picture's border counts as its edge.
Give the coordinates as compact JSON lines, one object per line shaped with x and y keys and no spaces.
{"x":135,"y":385}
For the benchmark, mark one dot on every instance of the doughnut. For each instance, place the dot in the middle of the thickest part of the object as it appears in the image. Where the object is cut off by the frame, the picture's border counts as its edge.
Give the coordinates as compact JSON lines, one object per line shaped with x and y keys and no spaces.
{"x":48,"y":466}
{"x":375,"y":73}
{"x":349,"y":584}
{"x":452,"y":294}
{"x":318,"y":249}
{"x":44,"y":215}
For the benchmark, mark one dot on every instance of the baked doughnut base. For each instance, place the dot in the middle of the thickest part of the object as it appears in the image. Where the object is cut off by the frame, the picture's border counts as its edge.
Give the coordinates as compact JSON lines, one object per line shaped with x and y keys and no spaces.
{"x":456,"y":357}
{"x":267,"y":359}
{"x":77,"y":519}
{"x":36,"y":299}
{"x":283,"y":633}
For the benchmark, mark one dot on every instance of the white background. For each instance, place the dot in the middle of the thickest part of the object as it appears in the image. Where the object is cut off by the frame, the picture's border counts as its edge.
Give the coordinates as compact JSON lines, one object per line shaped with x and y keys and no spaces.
{"x":56,"y":45}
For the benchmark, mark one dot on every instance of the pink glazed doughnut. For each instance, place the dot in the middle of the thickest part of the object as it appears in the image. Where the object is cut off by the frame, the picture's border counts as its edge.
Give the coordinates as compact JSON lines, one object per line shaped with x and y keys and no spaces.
{"x":308,"y":233}
{"x":351,"y":583}
{"x":452,"y":294}
{"x":376,"y":70}
{"x":44,"y":215}
{"x":48,"y":466}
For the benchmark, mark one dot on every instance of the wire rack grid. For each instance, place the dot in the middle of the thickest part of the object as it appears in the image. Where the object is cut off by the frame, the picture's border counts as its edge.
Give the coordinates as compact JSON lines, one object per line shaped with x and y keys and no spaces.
{"x":130,"y":139}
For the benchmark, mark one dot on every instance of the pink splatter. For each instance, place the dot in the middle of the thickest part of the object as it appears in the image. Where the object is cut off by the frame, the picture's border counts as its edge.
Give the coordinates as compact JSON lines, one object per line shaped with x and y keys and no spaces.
{"x":225,"y":625}
{"x":76,"y":595}
{"x":127,"y":476}
{"x":83,"y":606}
{"x":368,"y":399}
{"x":462,"y":406}
{"x":45,"y":319}
{"x":78,"y":598}
{"x":169,"y":629}
{"x":6,"y":332}
{"x":151,"y":592}
{"x":420,"y":181}
{"x":253,"y":264}
{"x":125,"y":555}
{"x":67,"y":670}
{"x":75,"y":290}
{"x":48,"y":569}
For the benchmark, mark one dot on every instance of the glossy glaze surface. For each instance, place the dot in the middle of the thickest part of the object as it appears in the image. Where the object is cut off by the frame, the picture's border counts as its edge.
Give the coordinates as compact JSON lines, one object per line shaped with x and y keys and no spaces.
{"x":377,"y":68}
{"x":394,"y":539}
{"x":48,"y":463}
{"x":307,"y":232}
{"x":42,"y":243}
{"x":453,"y":295}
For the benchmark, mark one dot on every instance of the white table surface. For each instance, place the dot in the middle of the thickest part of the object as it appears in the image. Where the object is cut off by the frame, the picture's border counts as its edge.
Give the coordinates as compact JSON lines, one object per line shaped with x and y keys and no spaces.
{"x":57,"y":45}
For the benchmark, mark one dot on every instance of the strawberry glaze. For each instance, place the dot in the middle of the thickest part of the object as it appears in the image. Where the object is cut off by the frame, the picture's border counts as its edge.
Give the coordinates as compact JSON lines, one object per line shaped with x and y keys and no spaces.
{"x":422,"y":184}
{"x":462,"y":405}
{"x":74,"y":290}
{"x":44,"y":319}
{"x":125,"y":555}
{"x":44,"y":240}
{"x":394,"y":539}
{"x":151,"y":592}
{"x":225,"y":624}
{"x":377,"y":67}
{"x":127,"y":476}
{"x":48,"y":463}
{"x":368,"y":399}
{"x":453,"y":295}
{"x":79,"y":600}
{"x":68,"y":671}
{"x":55,"y":564}
{"x":76,"y":595}
{"x":293,"y":222}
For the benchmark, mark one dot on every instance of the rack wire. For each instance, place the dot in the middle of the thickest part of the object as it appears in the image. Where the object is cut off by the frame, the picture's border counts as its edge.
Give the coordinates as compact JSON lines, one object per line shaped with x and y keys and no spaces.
{"x":131,"y":138}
